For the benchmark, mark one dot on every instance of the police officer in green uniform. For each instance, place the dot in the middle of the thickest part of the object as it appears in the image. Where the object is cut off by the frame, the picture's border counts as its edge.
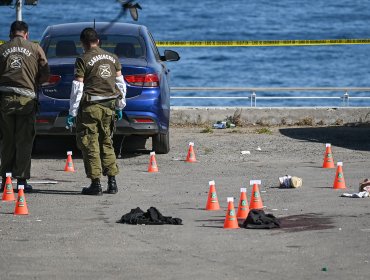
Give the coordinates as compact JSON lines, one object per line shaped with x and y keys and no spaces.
{"x":23,"y":66}
{"x":97,"y":97}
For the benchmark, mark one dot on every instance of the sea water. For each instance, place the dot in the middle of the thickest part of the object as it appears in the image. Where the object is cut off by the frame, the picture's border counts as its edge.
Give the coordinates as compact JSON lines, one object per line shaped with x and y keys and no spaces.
{"x":215,"y":20}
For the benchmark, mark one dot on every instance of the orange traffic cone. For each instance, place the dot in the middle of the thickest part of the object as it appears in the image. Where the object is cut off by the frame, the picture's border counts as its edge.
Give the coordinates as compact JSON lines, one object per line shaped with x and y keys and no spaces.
{"x":256,"y":200}
{"x":191,"y":155}
{"x":21,"y":204}
{"x":230,"y":221}
{"x":152,"y":163}
{"x":8,"y":194}
{"x":339,"y":182}
{"x":69,"y":164}
{"x":212,"y":202}
{"x":328,"y":158}
{"x":243,"y":208}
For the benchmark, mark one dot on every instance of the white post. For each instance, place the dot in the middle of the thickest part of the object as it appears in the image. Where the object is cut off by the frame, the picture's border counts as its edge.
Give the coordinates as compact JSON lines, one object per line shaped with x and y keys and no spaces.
{"x":346,"y":99}
{"x":253,"y":99}
{"x":19,"y":9}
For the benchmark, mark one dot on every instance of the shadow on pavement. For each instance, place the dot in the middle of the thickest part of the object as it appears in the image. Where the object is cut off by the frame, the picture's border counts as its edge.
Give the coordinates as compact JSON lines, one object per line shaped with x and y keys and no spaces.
{"x":355,"y":138}
{"x":6,"y":213}
{"x":204,"y":226}
{"x":193,"y":208}
{"x":59,"y":192}
{"x":56,"y":147}
{"x":206,"y":223}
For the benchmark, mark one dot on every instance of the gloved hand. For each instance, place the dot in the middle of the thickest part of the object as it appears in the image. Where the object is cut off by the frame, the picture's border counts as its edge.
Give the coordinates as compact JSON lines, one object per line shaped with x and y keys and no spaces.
{"x":119,"y":114}
{"x":70,"y":120}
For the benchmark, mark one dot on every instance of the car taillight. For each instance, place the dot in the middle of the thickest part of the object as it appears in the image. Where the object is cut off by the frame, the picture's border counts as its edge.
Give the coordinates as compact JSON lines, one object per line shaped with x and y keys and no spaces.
{"x":42,"y":121}
{"x":143,"y":120}
{"x":143,"y":80}
{"x":53,"y":80}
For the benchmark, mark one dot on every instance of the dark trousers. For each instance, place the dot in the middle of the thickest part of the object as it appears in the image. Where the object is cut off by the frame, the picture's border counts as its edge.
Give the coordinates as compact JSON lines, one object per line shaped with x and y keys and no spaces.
{"x":17,"y":125}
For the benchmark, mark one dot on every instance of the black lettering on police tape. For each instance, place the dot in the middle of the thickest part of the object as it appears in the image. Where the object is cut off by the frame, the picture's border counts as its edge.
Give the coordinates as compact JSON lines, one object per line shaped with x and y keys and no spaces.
{"x":260,"y":42}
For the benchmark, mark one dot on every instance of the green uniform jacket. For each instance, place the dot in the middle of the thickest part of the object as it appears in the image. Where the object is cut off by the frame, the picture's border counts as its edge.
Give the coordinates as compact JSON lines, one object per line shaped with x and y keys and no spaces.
{"x":98,"y":68}
{"x":23,"y":65}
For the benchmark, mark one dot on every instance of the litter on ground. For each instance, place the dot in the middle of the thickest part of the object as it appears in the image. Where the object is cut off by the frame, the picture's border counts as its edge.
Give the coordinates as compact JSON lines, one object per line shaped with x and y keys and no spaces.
{"x":223,"y":124}
{"x":288,"y":181}
{"x":356,"y":195}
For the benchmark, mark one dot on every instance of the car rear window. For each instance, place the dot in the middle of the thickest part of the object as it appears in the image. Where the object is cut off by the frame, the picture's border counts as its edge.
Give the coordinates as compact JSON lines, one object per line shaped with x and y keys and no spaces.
{"x":70,"y":46}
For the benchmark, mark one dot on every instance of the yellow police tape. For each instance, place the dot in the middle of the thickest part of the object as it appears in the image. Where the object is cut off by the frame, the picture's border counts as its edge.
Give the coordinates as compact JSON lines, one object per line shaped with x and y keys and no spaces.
{"x":278,"y":43}
{"x":262,"y":43}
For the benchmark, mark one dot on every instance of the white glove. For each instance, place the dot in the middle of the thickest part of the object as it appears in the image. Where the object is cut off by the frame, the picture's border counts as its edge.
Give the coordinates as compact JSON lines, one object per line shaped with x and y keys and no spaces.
{"x":121,"y":100}
{"x":76,"y":94}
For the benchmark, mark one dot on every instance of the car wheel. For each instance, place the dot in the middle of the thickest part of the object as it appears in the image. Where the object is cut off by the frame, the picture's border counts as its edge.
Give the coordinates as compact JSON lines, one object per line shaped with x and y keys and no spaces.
{"x":161,"y":143}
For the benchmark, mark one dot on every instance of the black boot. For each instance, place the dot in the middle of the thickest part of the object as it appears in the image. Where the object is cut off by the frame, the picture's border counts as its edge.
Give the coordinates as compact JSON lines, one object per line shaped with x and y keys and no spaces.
{"x":27,"y":187}
{"x":112,"y":185}
{"x":93,"y":189}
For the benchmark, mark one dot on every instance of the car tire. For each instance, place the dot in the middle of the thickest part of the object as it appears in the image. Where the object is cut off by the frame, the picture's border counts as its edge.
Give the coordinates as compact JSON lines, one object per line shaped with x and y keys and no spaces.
{"x":117,"y":145}
{"x":161,"y":143}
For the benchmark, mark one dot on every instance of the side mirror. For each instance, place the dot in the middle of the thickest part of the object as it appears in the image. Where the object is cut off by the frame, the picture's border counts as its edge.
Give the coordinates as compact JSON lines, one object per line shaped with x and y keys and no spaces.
{"x":170,"y":56}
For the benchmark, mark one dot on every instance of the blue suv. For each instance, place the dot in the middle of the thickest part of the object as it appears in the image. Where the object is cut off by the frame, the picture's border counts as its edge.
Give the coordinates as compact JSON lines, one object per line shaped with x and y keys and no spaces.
{"x":147,"y":111}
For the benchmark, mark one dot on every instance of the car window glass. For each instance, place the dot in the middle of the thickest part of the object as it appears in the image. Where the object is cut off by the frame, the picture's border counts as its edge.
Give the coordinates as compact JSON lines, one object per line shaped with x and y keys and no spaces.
{"x":123,"y":46}
{"x":63,"y":46}
{"x":70,"y":46}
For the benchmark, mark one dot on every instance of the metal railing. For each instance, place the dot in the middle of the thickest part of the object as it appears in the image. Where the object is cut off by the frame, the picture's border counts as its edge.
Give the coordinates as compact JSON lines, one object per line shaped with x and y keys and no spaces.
{"x":252,"y":96}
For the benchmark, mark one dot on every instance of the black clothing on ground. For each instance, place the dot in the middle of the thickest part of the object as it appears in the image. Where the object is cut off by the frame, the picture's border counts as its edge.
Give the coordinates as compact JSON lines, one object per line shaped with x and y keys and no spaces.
{"x":257,"y":219}
{"x":151,"y":217}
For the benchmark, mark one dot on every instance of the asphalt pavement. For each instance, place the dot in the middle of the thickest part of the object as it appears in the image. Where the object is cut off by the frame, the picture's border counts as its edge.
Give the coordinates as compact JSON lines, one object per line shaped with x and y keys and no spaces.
{"x":323,"y":236}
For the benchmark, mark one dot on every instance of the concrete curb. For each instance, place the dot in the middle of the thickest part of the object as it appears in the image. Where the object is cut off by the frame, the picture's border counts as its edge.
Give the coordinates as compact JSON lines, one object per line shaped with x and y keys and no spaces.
{"x":271,"y":116}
